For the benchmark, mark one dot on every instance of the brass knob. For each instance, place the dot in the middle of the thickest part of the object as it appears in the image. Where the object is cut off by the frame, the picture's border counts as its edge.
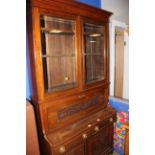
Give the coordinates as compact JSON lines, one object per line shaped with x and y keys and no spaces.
{"x":111,"y":120}
{"x":84,"y":136}
{"x":81,"y":96}
{"x":89,"y":125}
{"x":96,"y":128}
{"x":98,"y":120}
{"x":66,"y":78}
{"x":62,"y":149}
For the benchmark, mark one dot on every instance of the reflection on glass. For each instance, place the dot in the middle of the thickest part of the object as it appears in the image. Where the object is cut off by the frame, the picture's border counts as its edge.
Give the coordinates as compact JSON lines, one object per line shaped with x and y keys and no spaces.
{"x":58,"y":53}
{"x":94,"y":52}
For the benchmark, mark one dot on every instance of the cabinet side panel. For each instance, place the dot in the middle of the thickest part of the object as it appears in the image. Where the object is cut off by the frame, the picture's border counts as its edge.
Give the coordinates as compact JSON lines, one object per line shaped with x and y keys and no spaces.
{"x":31,"y":15}
{"x":36,"y":75}
{"x":30,"y":56}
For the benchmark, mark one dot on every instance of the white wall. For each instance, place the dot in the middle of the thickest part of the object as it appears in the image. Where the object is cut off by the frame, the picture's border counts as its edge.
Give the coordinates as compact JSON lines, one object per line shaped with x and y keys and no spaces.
{"x":120,"y":8}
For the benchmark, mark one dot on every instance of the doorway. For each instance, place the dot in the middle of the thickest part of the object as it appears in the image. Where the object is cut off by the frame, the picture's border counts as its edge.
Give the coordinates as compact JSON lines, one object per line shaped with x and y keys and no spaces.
{"x":119,"y":62}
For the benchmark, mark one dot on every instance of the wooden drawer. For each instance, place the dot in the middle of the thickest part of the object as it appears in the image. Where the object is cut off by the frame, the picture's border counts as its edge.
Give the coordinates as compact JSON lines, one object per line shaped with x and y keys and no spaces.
{"x":69,"y":110}
{"x":75,"y":147}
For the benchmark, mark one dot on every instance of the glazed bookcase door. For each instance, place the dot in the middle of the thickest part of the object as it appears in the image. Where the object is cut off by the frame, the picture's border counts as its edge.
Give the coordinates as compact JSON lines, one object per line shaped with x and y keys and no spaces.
{"x":94,"y":52}
{"x":58,"y":53}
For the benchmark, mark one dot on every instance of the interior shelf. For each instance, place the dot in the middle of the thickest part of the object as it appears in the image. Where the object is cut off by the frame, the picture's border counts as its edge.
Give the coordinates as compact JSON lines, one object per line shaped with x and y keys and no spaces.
{"x":63,"y":55}
{"x":95,"y":67}
{"x":94,"y":80}
{"x":57,"y":31}
{"x":93,"y":34}
{"x":96,"y":54}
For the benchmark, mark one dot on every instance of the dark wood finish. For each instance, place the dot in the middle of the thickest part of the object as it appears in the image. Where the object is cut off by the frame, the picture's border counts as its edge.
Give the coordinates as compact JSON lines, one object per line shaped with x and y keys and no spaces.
{"x":126,"y":142}
{"x":69,"y":110}
{"x":71,"y":136}
{"x":58,"y":50}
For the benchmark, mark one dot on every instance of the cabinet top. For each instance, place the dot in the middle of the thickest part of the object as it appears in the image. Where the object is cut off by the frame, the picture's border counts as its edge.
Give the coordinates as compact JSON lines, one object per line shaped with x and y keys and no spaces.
{"x":72,"y":7}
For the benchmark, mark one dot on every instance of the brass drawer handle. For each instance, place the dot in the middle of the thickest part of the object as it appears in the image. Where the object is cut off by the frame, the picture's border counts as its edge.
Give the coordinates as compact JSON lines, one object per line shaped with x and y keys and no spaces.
{"x":62,"y":149}
{"x":81,"y":96}
{"x":98,"y":120}
{"x":111,"y":119}
{"x":96,"y":128}
{"x":89,"y":125}
{"x":66,"y":78}
{"x":84,"y":136}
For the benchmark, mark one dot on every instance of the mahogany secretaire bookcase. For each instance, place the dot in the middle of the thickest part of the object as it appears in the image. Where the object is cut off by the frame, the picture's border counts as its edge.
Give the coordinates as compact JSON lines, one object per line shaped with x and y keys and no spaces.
{"x":69,"y":77}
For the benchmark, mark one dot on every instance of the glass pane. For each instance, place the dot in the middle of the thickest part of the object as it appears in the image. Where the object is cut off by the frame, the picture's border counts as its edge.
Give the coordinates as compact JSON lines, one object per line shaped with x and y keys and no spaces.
{"x":58,"y":53}
{"x":94,"y":52}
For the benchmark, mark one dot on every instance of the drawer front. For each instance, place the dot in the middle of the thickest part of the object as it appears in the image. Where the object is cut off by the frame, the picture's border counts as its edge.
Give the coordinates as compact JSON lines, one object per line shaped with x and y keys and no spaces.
{"x":72,"y":148}
{"x":66,"y":111}
{"x":106,"y":119}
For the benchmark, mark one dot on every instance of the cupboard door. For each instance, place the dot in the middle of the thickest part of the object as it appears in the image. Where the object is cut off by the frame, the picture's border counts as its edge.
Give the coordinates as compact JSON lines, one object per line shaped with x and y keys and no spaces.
{"x":58,"y":53}
{"x":101,"y":143}
{"x":94,"y":53}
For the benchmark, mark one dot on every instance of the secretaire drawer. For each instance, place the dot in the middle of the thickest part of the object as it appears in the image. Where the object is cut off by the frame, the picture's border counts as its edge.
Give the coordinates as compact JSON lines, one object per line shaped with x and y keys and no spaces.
{"x":71,"y":109}
{"x":74,"y":147}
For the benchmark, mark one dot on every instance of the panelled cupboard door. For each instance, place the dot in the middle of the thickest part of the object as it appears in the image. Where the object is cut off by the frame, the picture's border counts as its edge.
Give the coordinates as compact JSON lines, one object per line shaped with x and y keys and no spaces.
{"x":101,"y":142}
{"x":94,"y":53}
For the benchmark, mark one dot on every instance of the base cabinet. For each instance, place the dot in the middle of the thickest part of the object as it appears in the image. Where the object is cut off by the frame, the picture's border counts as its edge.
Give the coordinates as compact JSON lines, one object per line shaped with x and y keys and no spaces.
{"x":78,"y":150}
{"x":93,"y":136}
{"x":100,"y":143}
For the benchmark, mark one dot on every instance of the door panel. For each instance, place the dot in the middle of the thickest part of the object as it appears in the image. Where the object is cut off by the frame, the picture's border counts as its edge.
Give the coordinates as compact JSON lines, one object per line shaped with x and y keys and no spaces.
{"x":119,"y":65}
{"x":58,"y":53}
